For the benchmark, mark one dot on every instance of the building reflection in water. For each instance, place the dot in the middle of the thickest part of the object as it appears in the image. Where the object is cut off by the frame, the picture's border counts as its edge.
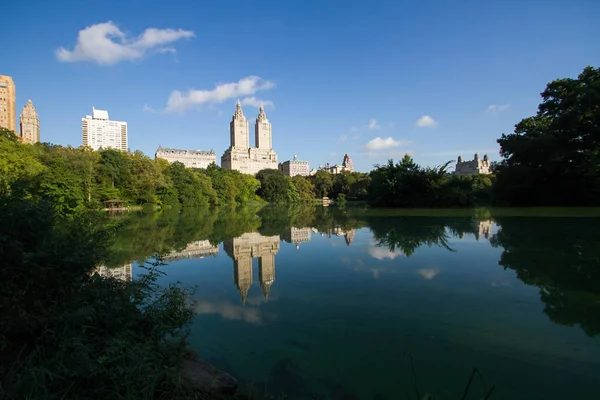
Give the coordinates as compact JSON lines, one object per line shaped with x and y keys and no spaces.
{"x":123,"y":273}
{"x":483,"y":229}
{"x":199,"y":249}
{"x":297,"y":235}
{"x":243,"y":249}
{"x":338,"y":231}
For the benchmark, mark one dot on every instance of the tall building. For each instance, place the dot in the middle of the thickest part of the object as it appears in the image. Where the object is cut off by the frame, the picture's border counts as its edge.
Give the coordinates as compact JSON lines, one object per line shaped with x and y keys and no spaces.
{"x":8,"y":103}
{"x":100,"y":133}
{"x":29,"y":124}
{"x":294,"y":167}
{"x":189,"y":158}
{"x":473,"y":167}
{"x":240,"y":156}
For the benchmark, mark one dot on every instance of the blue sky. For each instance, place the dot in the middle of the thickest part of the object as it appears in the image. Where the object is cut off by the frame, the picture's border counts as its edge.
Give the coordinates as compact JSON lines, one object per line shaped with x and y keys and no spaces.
{"x":373,"y":79}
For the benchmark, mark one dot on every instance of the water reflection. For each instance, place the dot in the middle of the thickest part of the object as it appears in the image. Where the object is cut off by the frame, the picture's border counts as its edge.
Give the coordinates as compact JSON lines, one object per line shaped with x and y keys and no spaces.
{"x":242,"y":250}
{"x":381,"y":282}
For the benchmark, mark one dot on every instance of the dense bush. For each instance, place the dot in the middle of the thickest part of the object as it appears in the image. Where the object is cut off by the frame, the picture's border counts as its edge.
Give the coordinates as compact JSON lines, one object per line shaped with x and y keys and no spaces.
{"x":66,"y":332}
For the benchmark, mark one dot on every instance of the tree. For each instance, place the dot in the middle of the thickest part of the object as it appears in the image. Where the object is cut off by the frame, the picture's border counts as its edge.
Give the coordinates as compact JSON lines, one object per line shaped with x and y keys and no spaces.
{"x":553,"y":157}
{"x":323,"y":183}
{"x":18,"y":163}
{"x":275,"y":187}
{"x":305,"y":189}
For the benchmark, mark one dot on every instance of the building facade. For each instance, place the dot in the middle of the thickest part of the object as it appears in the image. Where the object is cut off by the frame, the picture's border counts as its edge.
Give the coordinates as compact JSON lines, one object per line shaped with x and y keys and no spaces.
{"x":295,"y":167}
{"x":29,"y":124}
{"x":473,"y":167}
{"x":347,"y":165}
{"x":240,"y":156}
{"x":8,"y":103}
{"x":198,"y":249}
{"x":189,"y":158}
{"x":100,"y":133}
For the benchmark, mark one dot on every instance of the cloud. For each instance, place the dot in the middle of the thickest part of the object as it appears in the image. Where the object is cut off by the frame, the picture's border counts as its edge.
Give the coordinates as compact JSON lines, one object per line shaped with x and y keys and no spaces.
{"x":497,"y":107}
{"x":254,"y":102}
{"x":373,"y":125}
{"x":106,"y":44}
{"x":381,"y":253}
{"x":244,"y":87}
{"x":428,"y":273}
{"x":149,"y":109}
{"x":343,"y":138}
{"x":426,"y":122}
{"x":229,"y":311}
{"x":383,"y":144}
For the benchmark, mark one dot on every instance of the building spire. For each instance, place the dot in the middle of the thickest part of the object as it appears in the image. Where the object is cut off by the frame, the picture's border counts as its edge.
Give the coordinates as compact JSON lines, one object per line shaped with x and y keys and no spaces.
{"x":261,"y":114}
{"x":239,"y":114}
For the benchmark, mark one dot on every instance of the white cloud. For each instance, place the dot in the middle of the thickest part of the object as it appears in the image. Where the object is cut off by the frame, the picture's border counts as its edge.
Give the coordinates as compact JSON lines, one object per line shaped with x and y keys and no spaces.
{"x":428,"y":273}
{"x":373,"y":125}
{"x":381,"y":253}
{"x":106,"y":44}
{"x":147,"y":108}
{"x":343,"y":138}
{"x":426,"y":122}
{"x":383,"y":144}
{"x":497,"y":107}
{"x":244,"y":87}
{"x":254,"y":102}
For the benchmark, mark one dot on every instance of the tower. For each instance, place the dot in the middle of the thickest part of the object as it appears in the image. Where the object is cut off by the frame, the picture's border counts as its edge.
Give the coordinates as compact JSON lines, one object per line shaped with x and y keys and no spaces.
{"x":238,"y":129}
{"x":262,"y":131}
{"x":8,"y":103}
{"x":242,"y":275}
{"x":29,"y":124}
{"x":347,"y":163}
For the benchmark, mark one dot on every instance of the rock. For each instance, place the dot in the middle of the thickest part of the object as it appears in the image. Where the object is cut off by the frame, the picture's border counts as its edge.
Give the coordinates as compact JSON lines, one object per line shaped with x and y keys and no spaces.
{"x":208,"y":379}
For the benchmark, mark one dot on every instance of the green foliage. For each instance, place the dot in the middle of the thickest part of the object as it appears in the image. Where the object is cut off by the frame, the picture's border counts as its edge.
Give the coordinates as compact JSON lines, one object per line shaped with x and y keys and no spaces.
{"x":275,"y":187}
{"x":406,"y":184}
{"x":66,"y":333}
{"x":73,"y":179}
{"x":553,"y":157}
{"x":304,"y":188}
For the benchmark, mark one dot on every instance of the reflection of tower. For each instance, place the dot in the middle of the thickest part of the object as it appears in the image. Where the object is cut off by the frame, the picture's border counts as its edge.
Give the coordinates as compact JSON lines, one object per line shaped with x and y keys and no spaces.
{"x":483,"y":228}
{"x":243,"y":249}
{"x":242,"y":275}
{"x":349,"y":236}
{"x":266,"y":272}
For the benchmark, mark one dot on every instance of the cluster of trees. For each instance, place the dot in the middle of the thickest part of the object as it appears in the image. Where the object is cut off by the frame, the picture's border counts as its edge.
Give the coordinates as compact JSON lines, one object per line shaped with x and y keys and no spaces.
{"x":553,"y":157}
{"x":406,"y":184}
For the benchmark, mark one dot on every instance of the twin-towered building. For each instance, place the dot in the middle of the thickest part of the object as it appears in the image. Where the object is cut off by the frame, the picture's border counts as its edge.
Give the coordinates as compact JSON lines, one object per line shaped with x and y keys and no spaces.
{"x":240,"y":156}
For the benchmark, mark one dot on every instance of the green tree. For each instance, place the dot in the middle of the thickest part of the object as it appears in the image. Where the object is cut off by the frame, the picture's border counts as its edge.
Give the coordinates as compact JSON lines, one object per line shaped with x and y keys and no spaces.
{"x":275,"y":187}
{"x":305,"y":189}
{"x":18,"y":162}
{"x":323,"y":183}
{"x":553,"y":157}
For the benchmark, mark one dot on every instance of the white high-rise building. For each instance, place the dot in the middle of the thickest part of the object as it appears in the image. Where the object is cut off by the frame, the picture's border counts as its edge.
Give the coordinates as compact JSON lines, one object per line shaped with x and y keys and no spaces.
{"x":100,"y":133}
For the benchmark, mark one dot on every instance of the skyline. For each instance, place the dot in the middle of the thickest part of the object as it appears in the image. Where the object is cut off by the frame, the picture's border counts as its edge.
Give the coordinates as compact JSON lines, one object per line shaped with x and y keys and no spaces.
{"x":371,"y":80}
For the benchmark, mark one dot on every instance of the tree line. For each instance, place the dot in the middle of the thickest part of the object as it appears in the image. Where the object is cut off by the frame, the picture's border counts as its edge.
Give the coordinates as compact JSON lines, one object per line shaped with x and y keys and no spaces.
{"x":551,"y":158}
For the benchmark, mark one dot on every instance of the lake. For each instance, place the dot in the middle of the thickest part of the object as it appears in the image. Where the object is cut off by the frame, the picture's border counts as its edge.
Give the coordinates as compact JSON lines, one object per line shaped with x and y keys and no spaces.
{"x":328,"y":303}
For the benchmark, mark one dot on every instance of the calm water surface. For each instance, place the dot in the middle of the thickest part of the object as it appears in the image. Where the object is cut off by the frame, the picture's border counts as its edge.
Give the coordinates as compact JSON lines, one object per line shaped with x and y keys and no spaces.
{"x":329,"y":303}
